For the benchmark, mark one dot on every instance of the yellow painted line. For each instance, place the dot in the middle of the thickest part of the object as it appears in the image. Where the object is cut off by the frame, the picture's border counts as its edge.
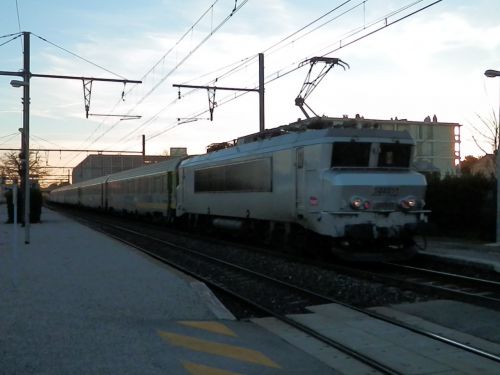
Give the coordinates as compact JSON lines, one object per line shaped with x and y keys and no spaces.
{"x":196,"y":369}
{"x":214,"y":327}
{"x":230,"y":351}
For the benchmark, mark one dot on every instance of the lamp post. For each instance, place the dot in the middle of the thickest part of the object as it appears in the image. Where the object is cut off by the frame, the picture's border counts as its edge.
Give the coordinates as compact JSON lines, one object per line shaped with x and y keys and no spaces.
{"x":25,"y":84}
{"x":25,"y":152}
{"x":490,"y":73}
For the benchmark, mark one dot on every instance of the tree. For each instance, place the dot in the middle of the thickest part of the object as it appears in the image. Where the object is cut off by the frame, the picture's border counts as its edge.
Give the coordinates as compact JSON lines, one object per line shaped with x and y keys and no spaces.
{"x":488,"y":131}
{"x":467,"y":163}
{"x":11,"y":167}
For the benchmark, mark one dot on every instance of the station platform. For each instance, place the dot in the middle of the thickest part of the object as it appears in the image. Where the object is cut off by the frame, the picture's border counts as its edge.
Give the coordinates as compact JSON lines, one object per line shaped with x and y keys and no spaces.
{"x":480,"y":254}
{"x":74,"y":301}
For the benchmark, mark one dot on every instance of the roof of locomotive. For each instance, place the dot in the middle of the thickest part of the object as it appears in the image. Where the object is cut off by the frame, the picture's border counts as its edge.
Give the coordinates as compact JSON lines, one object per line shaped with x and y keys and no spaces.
{"x":277,"y":142}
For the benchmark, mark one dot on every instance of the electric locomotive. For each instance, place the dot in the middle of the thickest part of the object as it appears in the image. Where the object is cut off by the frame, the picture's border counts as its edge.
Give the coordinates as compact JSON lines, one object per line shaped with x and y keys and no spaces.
{"x":354,"y":187}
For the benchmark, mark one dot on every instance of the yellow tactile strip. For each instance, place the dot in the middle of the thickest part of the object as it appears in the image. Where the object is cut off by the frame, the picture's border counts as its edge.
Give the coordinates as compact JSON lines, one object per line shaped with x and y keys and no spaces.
{"x":224,"y":350}
{"x":214,"y":327}
{"x":216,"y":348}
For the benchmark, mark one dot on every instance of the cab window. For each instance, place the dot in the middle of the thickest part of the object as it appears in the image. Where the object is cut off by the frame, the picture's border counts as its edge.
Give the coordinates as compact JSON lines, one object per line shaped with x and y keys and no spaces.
{"x":351,"y":154}
{"x":394,"y":155}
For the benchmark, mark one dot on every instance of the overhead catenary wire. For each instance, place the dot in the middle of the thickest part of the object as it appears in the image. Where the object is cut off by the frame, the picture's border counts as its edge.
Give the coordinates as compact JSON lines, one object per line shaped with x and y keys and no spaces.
{"x":182,"y":61}
{"x":8,"y":135}
{"x":236,"y":8}
{"x":280,"y":73}
{"x":155,"y":116}
{"x":9,"y":35}
{"x":78,"y":56}
{"x":308,"y":25}
{"x":9,"y":138}
{"x":377,"y":21}
{"x":296,"y":66}
{"x":236,"y":64}
{"x":19,"y":22}
{"x":245,"y":62}
{"x":270,"y":50}
{"x":10,"y":40}
{"x":101,"y":123}
{"x":18,"y":16}
{"x":145,"y":123}
{"x":45,"y":140}
{"x":190,"y":53}
{"x":162,"y":59}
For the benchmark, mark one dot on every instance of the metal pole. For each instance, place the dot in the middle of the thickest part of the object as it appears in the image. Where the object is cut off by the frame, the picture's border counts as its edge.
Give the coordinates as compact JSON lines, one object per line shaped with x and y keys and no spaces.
{"x":261,"y":93}
{"x":497,"y":173}
{"x":492,"y":74}
{"x":143,"y":148}
{"x":14,"y":235}
{"x":26,"y":133}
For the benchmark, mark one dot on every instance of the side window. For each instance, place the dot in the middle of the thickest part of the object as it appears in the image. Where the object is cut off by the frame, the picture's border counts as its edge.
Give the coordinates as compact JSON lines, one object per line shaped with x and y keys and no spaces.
{"x":253,"y":175}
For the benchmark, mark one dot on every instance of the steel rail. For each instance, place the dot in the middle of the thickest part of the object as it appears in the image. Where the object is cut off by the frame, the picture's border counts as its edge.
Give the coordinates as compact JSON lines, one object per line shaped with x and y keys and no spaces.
{"x":474,"y":280}
{"x":446,"y":279}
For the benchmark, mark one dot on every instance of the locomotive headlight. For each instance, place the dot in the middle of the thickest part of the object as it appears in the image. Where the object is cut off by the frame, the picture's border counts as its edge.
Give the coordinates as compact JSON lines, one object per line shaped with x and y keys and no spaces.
{"x":356,"y":203}
{"x":359,"y":203}
{"x":408,"y":203}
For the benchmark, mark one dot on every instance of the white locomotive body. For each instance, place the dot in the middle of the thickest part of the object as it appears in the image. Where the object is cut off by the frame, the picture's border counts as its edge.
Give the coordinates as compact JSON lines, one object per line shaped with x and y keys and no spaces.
{"x":353,"y":185}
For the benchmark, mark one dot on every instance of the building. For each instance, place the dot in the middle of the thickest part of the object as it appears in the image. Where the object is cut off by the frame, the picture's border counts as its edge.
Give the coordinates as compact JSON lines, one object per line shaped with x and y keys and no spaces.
{"x":100,"y":165}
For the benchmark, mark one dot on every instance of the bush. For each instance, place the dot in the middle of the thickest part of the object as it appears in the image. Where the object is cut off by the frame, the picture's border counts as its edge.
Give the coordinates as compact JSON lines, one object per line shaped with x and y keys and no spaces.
{"x":35,"y":206}
{"x":462,"y":206}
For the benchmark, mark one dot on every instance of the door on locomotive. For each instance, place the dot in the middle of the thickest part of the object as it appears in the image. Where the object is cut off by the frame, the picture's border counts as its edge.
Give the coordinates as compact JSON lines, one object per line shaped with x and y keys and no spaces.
{"x":299,"y":182}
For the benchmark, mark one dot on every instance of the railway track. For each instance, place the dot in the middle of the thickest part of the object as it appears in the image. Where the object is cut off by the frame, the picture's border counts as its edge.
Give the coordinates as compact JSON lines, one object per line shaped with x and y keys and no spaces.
{"x":280,"y":299}
{"x":241,"y":283}
{"x":450,"y":285}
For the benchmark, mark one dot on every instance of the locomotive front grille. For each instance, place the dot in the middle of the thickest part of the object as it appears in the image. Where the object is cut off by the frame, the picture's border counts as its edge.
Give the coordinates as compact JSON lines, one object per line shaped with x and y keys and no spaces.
{"x":385,"y":206}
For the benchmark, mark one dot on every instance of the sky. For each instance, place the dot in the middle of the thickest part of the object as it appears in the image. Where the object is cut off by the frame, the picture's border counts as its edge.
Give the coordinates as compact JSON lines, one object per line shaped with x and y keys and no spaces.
{"x":431,"y":62}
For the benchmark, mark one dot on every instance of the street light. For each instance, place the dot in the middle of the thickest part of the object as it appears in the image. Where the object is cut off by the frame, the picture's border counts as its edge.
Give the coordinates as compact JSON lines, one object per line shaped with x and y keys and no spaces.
{"x":16,"y":83}
{"x":490,"y":73}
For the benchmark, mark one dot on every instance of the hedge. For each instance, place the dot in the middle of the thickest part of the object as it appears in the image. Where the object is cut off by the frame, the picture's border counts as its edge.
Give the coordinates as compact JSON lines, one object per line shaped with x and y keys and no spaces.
{"x":462,"y":206}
